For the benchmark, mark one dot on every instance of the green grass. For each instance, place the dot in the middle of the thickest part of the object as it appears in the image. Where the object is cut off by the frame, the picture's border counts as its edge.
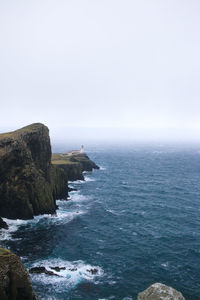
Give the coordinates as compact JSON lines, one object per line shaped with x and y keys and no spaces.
{"x":63,"y":162}
{"x":15,"y":134}
{"x":61,"y":159}
{"x":64,"y":159}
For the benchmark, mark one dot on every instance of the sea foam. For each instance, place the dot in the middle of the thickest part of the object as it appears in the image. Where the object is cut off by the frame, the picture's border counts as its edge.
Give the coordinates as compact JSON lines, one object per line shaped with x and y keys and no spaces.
{"x":75,"y":272}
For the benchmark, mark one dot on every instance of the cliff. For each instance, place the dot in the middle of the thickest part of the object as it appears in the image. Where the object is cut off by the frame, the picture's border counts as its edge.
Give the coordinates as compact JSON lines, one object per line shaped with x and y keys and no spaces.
{"x":31,"y":178}
{"x":73,"y":165}
{"x":25,"y":173}
{"x":15,"y":282}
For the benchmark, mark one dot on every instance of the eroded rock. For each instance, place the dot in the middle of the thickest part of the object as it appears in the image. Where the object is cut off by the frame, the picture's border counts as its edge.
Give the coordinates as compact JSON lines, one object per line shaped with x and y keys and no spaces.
{"x":40,"y":270}
{"x":159,"y":291}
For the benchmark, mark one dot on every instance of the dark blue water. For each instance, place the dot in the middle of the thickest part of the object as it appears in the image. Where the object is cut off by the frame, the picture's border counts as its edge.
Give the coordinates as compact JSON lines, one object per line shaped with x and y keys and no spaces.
{"x":136,"y":220}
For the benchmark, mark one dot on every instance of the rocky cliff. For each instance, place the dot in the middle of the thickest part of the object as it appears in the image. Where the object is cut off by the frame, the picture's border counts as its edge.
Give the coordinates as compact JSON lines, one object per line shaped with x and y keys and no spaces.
{"x":30,"y":182}
{"x":73,"y":165}
{"x":15,"y":282}
{"x":25,"y":173}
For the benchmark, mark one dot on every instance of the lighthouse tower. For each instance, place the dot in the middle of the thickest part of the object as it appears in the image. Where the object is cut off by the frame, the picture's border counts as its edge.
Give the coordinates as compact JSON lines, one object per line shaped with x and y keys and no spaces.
{"x":82,"y":149}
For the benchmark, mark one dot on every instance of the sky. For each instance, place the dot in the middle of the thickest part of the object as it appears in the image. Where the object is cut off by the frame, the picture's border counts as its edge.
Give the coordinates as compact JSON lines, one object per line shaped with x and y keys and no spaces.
{"x":101,"y":68}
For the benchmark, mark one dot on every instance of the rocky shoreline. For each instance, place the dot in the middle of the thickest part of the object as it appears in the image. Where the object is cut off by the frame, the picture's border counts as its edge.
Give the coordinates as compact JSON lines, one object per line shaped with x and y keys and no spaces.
{"x":15,"y":283}
{"x":31,"y":179}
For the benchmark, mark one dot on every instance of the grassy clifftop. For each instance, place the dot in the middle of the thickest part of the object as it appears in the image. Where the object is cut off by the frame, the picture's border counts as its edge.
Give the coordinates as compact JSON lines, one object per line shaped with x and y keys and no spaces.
{"x":27,"y":129}
{"x":73,"y":164}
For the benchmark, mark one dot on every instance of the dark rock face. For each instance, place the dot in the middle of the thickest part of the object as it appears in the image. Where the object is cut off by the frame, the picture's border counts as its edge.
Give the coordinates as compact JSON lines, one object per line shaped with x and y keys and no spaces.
{"x":86,"y":163}
{"x":30,"y":181}
{"x":3,"y":224}
{"x":158,"y":291}
{"x":25,"y":169}
{"x":72,"y":172}
{"x":59,"y":183}
{"x":41,"y":270}
{"x":75,"y":165}
{"x":15,"y":282}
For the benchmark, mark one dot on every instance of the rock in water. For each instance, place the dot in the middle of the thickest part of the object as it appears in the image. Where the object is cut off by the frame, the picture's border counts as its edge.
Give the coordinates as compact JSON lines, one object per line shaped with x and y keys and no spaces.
{"x":40,"y":270}
{"x":3,"y":224}
{"x":159,"y":291}
{"x":15,"y":282}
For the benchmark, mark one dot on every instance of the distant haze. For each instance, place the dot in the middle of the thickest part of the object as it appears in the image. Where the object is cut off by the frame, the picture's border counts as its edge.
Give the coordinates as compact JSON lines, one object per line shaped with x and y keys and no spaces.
{"x":101,"y":69}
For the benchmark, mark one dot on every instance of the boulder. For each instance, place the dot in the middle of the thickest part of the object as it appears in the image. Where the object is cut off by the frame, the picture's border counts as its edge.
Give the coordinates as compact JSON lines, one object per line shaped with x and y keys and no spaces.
{"x":159,"y":291}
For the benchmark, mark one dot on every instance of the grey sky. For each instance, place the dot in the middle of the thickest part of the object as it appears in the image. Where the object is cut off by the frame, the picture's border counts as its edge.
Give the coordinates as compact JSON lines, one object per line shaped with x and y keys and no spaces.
{"x":100,"y":63}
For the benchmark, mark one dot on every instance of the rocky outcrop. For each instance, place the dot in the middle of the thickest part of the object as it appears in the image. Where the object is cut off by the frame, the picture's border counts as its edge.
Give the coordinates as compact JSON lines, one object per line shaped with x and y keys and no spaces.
{"x":15,"y":282}
{"x":30,"y":182}
{"x":159,"y":291}
{"x":73,"y":165}
{"x":25,"y":173}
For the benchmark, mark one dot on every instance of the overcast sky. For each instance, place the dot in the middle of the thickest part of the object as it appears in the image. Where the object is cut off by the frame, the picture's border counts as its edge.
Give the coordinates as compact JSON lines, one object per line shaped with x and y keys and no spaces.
{"x":101,"y":63}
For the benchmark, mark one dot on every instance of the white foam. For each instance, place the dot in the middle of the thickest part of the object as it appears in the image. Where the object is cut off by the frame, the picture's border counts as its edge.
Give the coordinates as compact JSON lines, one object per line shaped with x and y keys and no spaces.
{"x":165,"y":265}
{"x":102,"y":168}
{"x":76,"y":182}
{"x":61,"y":217}
{"x":86,"y":179}
{"x":89,"y":179}
{"x":77,"y":197}
{"x":112,"y":212}
{"x":75,"y":272}
{"x":13,"y":225}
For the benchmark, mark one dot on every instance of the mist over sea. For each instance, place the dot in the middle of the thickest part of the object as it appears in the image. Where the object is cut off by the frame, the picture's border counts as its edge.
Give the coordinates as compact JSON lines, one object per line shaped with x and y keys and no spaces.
{"x":136,"y":221}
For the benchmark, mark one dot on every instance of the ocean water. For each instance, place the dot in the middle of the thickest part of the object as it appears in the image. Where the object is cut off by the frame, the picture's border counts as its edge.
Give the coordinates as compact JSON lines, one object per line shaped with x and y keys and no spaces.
{"x":136,"y":221}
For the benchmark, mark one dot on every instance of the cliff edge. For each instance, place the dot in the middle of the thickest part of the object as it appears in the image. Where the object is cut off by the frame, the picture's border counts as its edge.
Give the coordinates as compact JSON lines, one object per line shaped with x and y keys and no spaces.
{"x":31,"y":178}
{"x":25,"y":173}
{"x":73,"y":164}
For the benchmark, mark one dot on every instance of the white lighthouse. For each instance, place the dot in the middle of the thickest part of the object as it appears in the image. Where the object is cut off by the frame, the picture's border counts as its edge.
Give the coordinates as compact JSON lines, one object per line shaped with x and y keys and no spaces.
{"x":82,"y":149}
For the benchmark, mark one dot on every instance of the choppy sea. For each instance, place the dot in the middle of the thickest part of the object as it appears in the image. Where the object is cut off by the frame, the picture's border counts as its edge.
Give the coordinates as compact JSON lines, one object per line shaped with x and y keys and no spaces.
{"x":136,"y":221}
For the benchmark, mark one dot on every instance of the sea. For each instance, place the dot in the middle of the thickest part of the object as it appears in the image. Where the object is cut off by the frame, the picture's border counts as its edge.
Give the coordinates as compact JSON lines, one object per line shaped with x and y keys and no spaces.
{"x":133,"y":222}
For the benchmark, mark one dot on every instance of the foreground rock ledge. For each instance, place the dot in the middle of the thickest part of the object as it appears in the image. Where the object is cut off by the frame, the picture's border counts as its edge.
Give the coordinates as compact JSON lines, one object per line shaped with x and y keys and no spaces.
{"x":15,"y":282}
{"x":159,"y":291}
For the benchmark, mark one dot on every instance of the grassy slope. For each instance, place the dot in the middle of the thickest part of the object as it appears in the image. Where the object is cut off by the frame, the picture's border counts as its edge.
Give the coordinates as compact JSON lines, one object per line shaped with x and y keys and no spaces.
{"x":15,"y":134}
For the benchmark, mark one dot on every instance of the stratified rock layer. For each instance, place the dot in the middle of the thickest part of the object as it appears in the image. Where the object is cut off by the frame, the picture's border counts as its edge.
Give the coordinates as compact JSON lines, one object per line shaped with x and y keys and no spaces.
{"x":159,"y":291}
{"x":25,"y":173}
{"x":15,"y":282}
